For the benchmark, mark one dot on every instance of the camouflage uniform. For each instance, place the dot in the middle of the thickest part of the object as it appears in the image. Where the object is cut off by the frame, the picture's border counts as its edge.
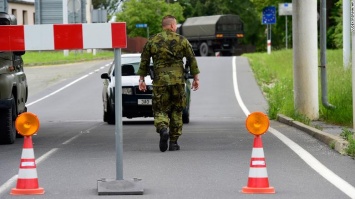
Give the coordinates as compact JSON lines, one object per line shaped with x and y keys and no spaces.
{"x":169,"y":98}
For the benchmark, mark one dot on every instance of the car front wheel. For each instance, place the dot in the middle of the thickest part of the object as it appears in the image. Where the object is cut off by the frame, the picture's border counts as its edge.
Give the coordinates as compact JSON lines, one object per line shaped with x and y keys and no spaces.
{"x":110,"y":113}
{"x":185,"y":117}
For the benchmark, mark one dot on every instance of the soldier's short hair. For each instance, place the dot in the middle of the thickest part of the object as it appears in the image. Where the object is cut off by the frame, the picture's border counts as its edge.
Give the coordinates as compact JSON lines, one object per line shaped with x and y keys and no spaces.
{"x":167,"y":20}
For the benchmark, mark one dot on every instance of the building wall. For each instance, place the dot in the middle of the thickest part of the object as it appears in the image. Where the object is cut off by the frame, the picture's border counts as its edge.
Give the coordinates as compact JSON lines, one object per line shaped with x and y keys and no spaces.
{"x":135,"y":45}
{"x":24,"y":12}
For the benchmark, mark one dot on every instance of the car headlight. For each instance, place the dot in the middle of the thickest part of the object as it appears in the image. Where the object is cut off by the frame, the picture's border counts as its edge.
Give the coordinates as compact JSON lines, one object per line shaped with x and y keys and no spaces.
{"x":127,"y":91}
{"x":150,"y":88}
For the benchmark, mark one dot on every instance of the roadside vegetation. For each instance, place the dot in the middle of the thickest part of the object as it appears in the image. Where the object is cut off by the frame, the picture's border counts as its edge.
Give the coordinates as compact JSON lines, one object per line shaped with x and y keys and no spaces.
{"x":37,"y":58}
{"x":348,"y":136}
{"x":274,"y":74}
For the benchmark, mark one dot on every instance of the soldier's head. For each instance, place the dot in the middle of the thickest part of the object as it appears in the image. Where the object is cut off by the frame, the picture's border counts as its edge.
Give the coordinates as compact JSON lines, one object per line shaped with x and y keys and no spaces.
{"x":169,"y":23}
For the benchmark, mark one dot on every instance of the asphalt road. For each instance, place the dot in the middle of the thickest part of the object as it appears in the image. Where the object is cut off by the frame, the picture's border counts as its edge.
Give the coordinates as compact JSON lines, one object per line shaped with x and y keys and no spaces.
{"x":74,"y":148}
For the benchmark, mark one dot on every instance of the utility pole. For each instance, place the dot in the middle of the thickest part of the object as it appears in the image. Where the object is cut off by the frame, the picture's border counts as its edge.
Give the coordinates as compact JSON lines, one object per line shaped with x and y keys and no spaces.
{"x":65,"y":21}
{"x":346,"y":33}
{"x":305,"y":58}
{"x":353,"y":57}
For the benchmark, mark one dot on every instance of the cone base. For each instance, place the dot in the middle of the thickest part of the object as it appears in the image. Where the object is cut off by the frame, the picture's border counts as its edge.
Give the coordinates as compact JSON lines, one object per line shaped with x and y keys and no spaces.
{"x":252,"y":190}
{"x":38,"y":191}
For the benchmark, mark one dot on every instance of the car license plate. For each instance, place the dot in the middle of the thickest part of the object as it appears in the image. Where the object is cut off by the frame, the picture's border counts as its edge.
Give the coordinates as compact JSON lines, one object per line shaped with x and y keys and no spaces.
{"x":144,"y":101}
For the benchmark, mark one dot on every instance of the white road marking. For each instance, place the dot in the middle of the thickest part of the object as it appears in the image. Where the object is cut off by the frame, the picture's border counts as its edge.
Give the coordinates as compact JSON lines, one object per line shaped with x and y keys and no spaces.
{"x":66,"y":86}
{"x":57,"y":91}
{"x":71,"y":139}
{"x":13,"y":179}
{"x":9,"y":183}
{"x":82,"y":132}
{"x":329,"y":175}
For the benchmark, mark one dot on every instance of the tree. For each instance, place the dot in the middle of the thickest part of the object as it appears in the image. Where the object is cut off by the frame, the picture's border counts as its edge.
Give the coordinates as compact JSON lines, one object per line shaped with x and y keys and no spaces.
{"x":148,"y":12}
{"x":109,"y":5}
{"x":335,"y":26}
{"x":250,"y":11}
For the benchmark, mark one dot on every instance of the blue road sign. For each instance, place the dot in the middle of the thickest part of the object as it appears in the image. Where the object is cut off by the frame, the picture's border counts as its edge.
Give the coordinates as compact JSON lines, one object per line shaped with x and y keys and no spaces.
{"x":269,"y":15}
{"x":141,"y":25}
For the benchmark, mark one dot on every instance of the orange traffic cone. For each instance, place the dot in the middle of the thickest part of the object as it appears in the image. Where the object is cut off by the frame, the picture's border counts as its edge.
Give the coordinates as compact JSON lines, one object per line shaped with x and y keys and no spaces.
{"x":27,"y":182}
{"x":258,"y":181}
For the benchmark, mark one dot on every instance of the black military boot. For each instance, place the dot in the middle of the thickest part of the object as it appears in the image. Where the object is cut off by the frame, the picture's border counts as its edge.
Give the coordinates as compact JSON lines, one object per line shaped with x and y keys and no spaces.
{"x":164,"y":137}
{"x":173,"y":146}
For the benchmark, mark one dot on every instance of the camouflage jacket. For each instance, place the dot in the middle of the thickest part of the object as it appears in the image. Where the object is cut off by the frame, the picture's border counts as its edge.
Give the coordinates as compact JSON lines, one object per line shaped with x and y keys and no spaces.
{"x":167,"y":50}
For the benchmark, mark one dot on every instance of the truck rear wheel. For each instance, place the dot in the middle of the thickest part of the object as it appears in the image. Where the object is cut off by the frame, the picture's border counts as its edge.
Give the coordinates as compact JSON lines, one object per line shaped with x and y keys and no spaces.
{"x":204,"y":49}
{"x":7,"y":124}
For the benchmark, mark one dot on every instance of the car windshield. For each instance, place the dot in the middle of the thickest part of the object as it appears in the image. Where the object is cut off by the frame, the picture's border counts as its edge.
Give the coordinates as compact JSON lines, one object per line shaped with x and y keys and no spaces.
{"x":130,"y":65}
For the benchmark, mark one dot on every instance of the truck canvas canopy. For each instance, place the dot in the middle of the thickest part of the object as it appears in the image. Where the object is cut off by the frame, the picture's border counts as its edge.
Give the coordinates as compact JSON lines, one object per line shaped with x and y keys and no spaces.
{"x":210,"y":25}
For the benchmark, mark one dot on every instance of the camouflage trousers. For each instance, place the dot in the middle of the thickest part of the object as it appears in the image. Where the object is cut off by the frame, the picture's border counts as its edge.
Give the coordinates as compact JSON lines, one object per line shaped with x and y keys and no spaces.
{"x":168,"y":104}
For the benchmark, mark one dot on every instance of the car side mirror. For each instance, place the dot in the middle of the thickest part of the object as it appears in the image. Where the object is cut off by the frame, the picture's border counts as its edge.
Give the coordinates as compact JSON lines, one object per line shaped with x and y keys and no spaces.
{"x":105,"y":76}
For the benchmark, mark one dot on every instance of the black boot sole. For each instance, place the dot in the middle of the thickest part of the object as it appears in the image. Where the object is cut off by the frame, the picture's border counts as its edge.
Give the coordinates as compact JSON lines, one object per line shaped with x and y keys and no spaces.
{"x":174,"y":147}
{"x":163,"y":143}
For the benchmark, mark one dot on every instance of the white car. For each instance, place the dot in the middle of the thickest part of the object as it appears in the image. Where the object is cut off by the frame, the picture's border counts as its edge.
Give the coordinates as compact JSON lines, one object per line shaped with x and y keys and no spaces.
{"x":135,"y":103}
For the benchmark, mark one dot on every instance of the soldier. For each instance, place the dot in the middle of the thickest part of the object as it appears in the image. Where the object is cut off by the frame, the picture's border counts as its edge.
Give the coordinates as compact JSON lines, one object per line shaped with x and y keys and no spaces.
{"x":168,"y":49}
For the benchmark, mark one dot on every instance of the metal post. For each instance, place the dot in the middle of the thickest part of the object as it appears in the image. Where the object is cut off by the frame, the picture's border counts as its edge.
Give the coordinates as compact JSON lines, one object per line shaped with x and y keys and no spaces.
{"x":346,"y":33}
{"x":353,"y":57}
{"x":286,"y":32}
{"x":323,"y":57}
{"x":305,"y":58}
{"x":65,"y":21}
{"x":74,"y":11}
{"x":118,"y":115}
{"x":119,"y":186}
{"x":39,"y":11}
{"x":89,"y":17}
{"x":268,"y":38}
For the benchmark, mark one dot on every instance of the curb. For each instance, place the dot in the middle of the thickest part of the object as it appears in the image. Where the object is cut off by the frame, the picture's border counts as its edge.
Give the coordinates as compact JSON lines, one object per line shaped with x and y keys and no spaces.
{"x":334,"y":142}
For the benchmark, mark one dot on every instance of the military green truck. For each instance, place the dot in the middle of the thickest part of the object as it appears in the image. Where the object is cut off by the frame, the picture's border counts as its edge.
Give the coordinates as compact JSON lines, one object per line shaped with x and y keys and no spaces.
{"x":13,"y":88}
{"x":211,"y":34}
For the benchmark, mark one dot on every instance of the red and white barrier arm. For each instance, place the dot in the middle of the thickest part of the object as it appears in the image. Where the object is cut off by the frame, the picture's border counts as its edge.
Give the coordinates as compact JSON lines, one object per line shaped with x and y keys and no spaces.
{"x":63,"y":36}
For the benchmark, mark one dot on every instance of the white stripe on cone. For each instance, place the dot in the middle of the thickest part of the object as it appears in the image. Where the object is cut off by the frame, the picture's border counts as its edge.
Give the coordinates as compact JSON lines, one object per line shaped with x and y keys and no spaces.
{"x":27,"y":154}
{"x":27,"y":173}
{"x":257,"y":153}
{"x":258,"y":173}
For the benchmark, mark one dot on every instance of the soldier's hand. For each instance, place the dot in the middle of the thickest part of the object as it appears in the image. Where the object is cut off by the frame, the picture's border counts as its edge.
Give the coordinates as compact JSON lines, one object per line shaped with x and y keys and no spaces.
{"x":142,"y":86}
{"x":195,"y":84}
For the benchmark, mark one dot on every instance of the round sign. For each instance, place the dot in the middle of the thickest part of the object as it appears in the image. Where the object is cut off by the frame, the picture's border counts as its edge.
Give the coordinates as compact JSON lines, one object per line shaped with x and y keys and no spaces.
{"x":257,"y":123}
{"x":27,"y":124}
{"x":74,"y":6}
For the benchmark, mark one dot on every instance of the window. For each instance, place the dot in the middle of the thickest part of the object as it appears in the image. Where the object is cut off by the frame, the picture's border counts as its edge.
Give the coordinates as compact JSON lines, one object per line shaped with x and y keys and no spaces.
{"x":24,"y":17}
{"x":14,"y":12}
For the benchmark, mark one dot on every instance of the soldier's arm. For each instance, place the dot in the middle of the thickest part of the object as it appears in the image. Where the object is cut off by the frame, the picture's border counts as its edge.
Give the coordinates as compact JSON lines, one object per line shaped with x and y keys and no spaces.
{"x":145,"y":61}
{"x":194,"y":70}
{"x":190,"y":57}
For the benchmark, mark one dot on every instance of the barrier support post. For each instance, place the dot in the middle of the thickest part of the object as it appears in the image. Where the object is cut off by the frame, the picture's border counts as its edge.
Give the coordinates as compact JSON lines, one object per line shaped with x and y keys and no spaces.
{"x":119,"y":186}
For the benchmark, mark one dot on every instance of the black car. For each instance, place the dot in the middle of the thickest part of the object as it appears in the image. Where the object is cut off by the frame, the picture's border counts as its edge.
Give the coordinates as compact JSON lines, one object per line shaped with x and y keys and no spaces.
{"x":135,"y":103}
